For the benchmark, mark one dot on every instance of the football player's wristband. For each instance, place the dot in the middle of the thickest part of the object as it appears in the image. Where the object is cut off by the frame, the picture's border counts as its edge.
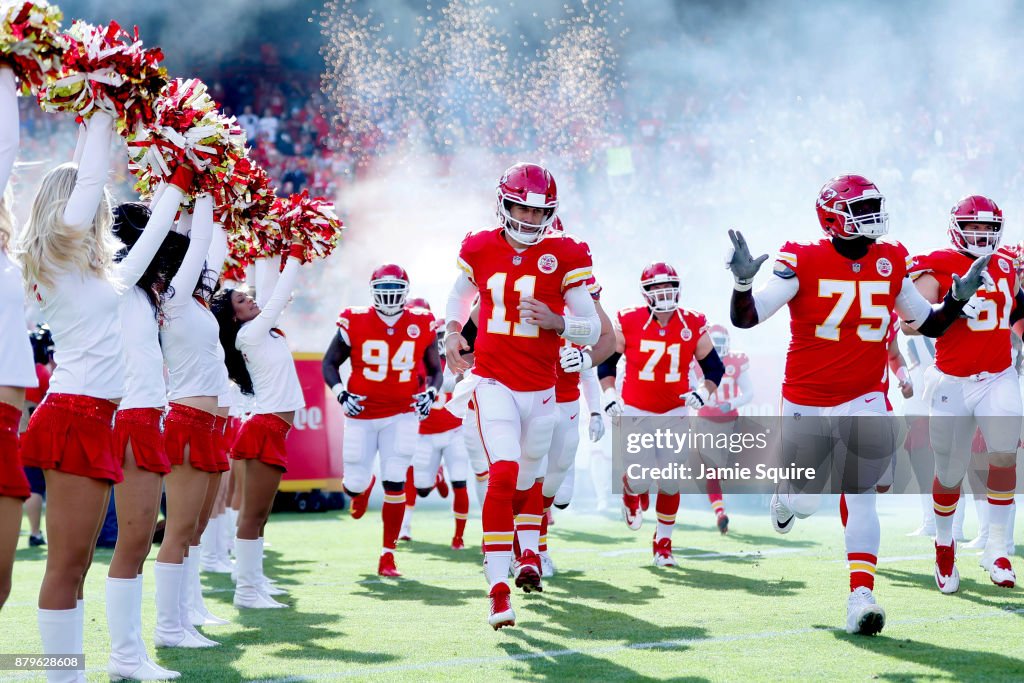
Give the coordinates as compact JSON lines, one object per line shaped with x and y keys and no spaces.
{"x":338,"y":389}
{"x":743,"y":286}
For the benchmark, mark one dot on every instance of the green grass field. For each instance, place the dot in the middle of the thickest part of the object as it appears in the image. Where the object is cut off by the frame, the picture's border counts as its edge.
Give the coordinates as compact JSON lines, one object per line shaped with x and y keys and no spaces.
{"x":749,"y":606}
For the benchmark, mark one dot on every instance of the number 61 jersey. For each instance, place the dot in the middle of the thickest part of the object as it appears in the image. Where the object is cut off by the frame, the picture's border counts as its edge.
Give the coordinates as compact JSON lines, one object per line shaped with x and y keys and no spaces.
{"x":838,"y":319}
{"x":385,"y":357}
{"x":521,"y":356}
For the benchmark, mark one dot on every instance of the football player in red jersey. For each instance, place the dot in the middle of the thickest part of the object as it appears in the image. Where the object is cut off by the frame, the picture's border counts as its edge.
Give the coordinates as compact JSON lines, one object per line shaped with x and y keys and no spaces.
{"x":841,"y":291}
{"x":526,"y":279}
{"x":735,"y":391}
{"x":441,"y":439}
{"x":658,"y":341}
{"x":973,"y":384}
{"x":383,"y":398}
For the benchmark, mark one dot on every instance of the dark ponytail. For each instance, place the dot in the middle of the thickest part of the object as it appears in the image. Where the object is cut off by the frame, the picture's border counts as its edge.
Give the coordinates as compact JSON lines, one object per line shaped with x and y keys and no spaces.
{"x":224,"y":311}
{"x":130,"y":219}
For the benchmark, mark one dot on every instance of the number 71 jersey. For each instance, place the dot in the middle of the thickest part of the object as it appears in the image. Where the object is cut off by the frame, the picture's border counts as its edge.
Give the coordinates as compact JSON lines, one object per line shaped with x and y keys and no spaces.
{"x":520,"y":355}
{"x":658,"y":357}
{"x":385,"y":358}
{"x":839,"y":318}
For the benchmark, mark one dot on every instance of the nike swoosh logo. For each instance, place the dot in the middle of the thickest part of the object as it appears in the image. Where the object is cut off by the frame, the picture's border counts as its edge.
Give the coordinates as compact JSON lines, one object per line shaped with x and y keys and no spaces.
{"x":548,"y":399}
{"x":869,"y":400}
{"x":573,"y":417}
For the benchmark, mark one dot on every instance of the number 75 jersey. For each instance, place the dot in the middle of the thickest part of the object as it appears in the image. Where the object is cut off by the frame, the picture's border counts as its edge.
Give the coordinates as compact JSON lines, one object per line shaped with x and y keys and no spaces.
{"x":839,"y":318}
{"x":521,"y":356}
{"x":385,"y":358}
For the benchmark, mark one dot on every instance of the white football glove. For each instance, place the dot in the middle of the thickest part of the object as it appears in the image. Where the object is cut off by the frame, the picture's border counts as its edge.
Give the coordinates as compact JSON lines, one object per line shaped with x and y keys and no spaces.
{"x":423,"y":401}
{"x":696,"y":399}
{"x":611,"y":403}
{"x":596,"y":427}
{"x":575,"y":360}
{"x":350,"y":403}
{"x":972,"y":307}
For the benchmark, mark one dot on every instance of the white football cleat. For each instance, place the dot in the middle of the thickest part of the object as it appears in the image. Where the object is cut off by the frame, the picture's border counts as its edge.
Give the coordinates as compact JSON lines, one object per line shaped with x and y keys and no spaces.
{"x":547,"y":565}
{"x":501,"y":607}
{"x":663,"y":553}
{"x":999,"y":570}
{"x":947,"y":576}
{"x":864,"y":616}
{"x":631,"y":511}
{"x":527,"y":572}
{"x":782,"y":516}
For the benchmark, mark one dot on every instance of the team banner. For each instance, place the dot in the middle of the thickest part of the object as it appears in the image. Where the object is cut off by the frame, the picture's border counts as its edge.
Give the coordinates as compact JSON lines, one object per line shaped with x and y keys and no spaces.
{"x":814,"y":454}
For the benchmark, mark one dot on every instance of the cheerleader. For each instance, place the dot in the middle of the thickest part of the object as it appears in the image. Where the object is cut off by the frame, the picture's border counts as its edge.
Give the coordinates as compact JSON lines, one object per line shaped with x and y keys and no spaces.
{"x":198,"y":613}
{"x":68,"y":251}
{"x":193,"y":357}
{"x":259,"y":362}
{"x":17,"y":370}
{"x":138,"y":440}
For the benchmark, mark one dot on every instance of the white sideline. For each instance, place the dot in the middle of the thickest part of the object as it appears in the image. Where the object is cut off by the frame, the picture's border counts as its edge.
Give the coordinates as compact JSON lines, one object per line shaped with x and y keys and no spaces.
{"x":605,"y":649}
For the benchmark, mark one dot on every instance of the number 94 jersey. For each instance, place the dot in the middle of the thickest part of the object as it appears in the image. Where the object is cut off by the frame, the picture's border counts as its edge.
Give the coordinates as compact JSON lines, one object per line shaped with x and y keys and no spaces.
{"x":521,"y":356}
{"x":658,"y":358}
{"x":385,"y":358}
{"x":980,"y":344}
{"x":839,"y":318}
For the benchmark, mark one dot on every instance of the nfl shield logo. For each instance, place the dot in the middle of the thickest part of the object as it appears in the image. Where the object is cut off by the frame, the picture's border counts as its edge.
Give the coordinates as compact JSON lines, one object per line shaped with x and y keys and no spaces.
{"x":516,"y":260}
{"x":856,"y":267}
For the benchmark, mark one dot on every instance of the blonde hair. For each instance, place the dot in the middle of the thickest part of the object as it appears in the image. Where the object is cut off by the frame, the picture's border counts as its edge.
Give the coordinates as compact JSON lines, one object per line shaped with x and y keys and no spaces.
{"x":48,"y":246}
{"x":6,"y":218}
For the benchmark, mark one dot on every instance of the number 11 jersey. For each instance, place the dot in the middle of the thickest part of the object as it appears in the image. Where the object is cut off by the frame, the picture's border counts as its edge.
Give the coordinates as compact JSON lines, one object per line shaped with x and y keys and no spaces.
{"x":520,"y":355}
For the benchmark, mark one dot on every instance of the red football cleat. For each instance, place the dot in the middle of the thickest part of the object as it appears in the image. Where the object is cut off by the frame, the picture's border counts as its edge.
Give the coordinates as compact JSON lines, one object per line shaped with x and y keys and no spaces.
{"x":527,"y":572}
{"x":440,"y":484}
{"x":457,"y":543}
{"x":501,"y":607}
{"x":360,"y":502}
{"x":386,"y":565}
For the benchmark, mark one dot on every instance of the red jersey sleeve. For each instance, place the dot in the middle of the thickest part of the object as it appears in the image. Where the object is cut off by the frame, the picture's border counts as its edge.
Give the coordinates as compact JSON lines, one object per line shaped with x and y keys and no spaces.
{"x":469,"y":253}
{"x":579,"y":268}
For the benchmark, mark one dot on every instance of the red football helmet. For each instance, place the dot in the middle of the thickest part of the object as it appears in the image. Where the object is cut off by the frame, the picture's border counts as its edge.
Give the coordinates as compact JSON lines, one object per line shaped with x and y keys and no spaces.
{"x":417,"y":302}
{"x":529,"y":185}
{"x":390,"y":286}
{"x":851,"y":206}
{"x":720,"y":338}
{"x":662,"y":299}
{"x":976,"y":209}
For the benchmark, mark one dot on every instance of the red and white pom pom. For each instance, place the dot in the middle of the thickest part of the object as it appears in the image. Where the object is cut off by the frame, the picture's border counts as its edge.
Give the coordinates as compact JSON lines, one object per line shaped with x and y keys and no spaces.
{"x":31,"y":42}
{"x":245,"y":196}
{"x":104,"y":68}
{"x":310,"y":221}
{"x":189,"y":131}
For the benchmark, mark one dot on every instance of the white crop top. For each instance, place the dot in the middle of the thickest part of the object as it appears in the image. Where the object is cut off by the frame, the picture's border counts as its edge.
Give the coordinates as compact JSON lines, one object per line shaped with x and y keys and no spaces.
{"x":17,"y":366}
{"x":144,"y":361}
{"x":267,"y":356}
{"x":190,"y":335}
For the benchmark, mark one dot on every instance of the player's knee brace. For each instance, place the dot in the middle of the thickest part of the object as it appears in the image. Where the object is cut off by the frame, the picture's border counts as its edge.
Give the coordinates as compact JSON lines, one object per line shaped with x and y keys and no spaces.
{"x":461,"y":484}
{"x":503,"y":477}
{"x":394,"y":486}
{"x":423,"y":493}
